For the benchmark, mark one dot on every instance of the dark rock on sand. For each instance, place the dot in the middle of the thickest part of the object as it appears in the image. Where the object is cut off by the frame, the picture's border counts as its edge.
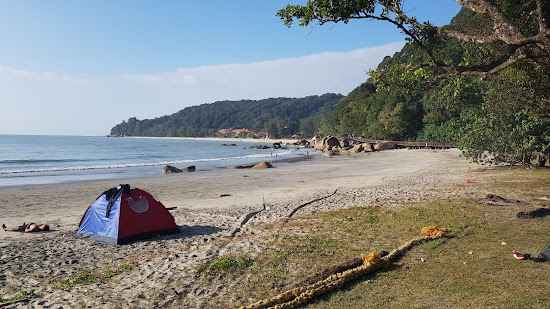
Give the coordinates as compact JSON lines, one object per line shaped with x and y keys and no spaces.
{"x":168,"y":169}
{"x":537,"y":213}
{"x":190,"y":168}
{"x":263,"y":165}
{"x":259,"y":147}
{"x":243,"y":166}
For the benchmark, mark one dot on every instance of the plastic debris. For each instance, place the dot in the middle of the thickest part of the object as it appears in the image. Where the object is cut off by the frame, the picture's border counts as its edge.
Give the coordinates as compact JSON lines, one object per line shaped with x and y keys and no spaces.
{"x":518,"y":256}
{"x":503,"y":243}
{"x":467,"y":180}
{"x":223,"y":195}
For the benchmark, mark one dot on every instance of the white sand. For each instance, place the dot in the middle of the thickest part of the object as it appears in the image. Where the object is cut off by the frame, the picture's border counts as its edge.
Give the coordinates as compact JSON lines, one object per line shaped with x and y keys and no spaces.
{"x":40,"y":261}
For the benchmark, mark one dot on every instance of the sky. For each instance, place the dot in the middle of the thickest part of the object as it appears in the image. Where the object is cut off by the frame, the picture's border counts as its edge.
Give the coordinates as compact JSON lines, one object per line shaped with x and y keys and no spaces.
{"x":81,"y":67}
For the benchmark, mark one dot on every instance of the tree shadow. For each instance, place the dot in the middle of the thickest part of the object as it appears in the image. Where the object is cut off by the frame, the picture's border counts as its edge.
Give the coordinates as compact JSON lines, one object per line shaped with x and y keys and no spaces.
{"x":198,"y":230}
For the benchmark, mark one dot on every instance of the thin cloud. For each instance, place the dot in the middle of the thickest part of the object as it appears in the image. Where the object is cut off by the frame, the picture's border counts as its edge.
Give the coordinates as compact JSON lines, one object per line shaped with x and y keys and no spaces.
{"x":41,"y":76}
{"x":53,"y":103}
{"x":325,"y":72}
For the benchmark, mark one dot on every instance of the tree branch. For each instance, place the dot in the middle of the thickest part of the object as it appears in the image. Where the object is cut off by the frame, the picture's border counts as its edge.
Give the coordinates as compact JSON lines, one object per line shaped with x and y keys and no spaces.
{"x":480,"y":71}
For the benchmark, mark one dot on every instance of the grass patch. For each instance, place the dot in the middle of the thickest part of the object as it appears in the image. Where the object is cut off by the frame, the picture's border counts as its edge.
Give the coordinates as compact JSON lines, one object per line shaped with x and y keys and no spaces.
{"x":86,"y":277}
{"x":472,"y":268}
{"x":20,"y":296}
{"x":227,"y":264}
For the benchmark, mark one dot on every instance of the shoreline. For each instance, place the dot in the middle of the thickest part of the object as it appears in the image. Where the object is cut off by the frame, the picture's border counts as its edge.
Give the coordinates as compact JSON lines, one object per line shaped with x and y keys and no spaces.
{"x":207,"y":221}
{"x":274,"y":160}
{"x":216,"y":139}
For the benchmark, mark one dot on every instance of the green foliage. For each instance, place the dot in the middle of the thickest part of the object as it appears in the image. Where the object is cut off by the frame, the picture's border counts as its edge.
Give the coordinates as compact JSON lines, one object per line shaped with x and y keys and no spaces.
{"x":505,"y":118}
{"x":228,"y":264}
{"x":513,"y":123}
{"x":280,"y":117}
{"x":87,"y":277}
{"x":21,"y":295}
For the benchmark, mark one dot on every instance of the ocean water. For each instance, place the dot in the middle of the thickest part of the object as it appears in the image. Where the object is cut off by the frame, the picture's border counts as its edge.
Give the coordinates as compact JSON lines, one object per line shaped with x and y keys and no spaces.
{"x":41,"y":159}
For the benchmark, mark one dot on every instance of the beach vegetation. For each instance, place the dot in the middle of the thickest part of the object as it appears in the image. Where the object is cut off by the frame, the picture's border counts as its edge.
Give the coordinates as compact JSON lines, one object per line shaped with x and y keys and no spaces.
{"x":87,"y":277}
{"x":279,"y":117}
{"x":472,"y":267}
{"x":461,"y":83}
{"x":22,"y":295}
{"x":224,"y":264}
{"x":502,"y":34}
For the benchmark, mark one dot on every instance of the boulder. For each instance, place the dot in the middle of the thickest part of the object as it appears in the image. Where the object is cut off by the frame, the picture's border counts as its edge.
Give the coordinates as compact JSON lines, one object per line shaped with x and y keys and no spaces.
{"x":346,"y":143}
{"x":168,"y":169}
{"x":330,"y":153}
{"x":263,"y":165}
{"x":385,"y":145}
{"x":303,"y":142}
{"x":367,"y":147}
{"x":332,"y":141}
{"x":259,"y":147}
{"x":243,"y":166}
{"x":327,"y":143}
{"x":190,"y":168}
{"x":356,"y":148}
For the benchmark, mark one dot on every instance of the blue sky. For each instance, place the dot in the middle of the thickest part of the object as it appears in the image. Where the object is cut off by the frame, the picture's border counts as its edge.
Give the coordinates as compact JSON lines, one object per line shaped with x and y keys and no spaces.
{"x":81,"y":67}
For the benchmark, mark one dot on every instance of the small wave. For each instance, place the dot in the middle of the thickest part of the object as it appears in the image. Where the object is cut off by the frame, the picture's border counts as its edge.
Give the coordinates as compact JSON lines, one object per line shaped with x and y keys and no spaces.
{"x":129,"y":165}
{"x":31,"y":161}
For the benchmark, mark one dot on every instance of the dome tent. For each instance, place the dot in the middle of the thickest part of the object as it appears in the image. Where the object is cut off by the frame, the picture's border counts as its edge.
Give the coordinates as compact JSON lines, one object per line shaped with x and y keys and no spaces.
{"x":121,"y":215}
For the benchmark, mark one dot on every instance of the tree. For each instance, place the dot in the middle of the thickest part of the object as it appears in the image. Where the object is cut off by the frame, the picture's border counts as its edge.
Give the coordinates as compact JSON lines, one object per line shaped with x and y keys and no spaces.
{"x":513,"y":122}
{"x":521,"y":28}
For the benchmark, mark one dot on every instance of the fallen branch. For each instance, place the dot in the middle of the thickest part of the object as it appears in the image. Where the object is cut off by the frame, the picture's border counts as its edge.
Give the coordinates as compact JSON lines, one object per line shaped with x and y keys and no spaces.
{"x":313,"y":201}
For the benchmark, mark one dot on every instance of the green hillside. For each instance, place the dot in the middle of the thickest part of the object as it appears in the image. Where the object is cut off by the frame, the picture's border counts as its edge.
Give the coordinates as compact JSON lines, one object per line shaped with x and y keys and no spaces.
{"x":501,"y":117}
{"x":279,"y":117}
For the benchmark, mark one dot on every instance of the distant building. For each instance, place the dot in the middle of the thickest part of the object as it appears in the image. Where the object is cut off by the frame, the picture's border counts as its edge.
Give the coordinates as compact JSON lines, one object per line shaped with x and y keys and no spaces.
{"x":240,"y":133}
{"x":298,"y":135}
{"x":237,"y":133}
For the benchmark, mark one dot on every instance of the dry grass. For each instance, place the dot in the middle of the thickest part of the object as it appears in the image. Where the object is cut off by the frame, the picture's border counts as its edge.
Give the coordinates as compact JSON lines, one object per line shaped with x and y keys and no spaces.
{"x":472,"y":268}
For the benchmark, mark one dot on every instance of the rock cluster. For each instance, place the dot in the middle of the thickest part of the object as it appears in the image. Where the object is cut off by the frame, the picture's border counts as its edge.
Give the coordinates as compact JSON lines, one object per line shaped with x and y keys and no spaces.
{"x":331,"y":145}
{"x":169,"y":169}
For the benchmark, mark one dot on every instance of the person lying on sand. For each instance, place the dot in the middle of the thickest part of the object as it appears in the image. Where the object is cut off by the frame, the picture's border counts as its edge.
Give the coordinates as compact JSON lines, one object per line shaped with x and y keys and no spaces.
{"x":27,"y":228}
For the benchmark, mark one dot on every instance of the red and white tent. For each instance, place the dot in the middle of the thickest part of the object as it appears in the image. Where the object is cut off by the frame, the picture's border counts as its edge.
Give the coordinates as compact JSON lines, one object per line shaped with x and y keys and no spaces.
{"x":121,"y":215}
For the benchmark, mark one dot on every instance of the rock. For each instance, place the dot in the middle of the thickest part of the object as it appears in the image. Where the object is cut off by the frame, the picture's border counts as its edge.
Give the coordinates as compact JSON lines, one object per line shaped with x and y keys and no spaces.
{"x":332,"y":141}
{"x":328,"y":141}
{"x":190,"y":168}
{"x":263,"y":165}
{"x":276,"y":145}
{"x":168,"y":169}
{"x":259,"y":147}
{"x":384,"y":145}
{"x":345,"y":143}
{"x":243,"y":166}
{"x":367,"y":147}
{"x":356,"y":148}
{"x":303,"y":142}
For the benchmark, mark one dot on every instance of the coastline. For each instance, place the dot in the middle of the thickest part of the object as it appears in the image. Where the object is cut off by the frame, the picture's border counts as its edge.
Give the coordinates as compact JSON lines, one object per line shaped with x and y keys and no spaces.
{"x":206,"y":220}
{"x":218,"y":139}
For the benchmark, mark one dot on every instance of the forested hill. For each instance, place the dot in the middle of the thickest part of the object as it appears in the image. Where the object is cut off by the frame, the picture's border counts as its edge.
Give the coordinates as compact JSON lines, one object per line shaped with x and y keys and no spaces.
{"x":505,"y":115}
{"x":280,"y":117}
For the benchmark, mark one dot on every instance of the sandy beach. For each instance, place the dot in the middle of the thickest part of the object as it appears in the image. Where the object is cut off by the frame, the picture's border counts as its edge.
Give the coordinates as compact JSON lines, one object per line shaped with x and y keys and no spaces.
{"x":210,"y":225}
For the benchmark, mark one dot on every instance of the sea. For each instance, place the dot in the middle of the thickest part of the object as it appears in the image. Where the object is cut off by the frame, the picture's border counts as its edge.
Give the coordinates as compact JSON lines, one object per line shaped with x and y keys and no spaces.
{"x":43,"y":159}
